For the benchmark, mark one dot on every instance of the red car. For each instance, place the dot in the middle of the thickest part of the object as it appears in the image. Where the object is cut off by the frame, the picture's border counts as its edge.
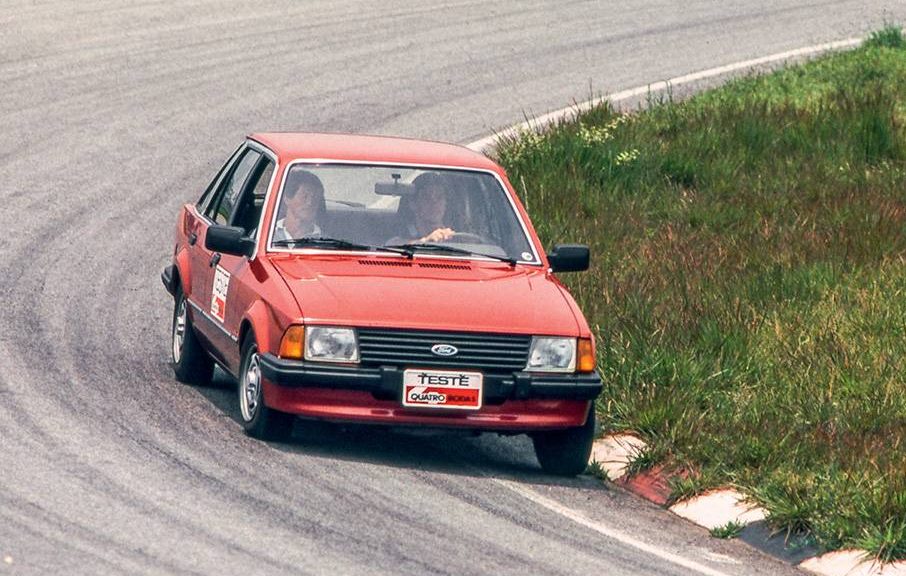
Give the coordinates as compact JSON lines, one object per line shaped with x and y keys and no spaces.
{"x":381,"y":280}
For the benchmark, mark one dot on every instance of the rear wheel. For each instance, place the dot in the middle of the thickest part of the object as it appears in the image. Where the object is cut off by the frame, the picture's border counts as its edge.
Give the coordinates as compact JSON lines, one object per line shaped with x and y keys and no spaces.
{"x":191,"y":363}
{"x":566,"y":452}
{"x":258,"y":420}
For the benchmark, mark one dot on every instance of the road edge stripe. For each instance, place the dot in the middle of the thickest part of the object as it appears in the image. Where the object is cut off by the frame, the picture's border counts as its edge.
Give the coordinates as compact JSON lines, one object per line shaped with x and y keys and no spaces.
{"x":606,"y":531}
{"x":488,"y":142}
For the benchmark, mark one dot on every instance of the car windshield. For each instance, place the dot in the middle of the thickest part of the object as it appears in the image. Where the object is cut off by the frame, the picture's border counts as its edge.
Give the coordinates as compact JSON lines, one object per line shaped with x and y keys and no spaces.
{"x":457,"y":213}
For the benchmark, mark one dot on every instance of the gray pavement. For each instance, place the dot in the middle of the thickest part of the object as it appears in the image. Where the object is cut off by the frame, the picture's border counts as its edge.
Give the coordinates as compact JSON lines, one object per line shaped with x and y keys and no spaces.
{"x":113,"y":114}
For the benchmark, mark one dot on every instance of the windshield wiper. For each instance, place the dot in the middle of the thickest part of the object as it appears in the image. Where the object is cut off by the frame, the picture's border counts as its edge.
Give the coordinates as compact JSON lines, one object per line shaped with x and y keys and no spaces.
{"x":413,"y":246}
{"x":319,"y":241}
{"x":337,"y":243}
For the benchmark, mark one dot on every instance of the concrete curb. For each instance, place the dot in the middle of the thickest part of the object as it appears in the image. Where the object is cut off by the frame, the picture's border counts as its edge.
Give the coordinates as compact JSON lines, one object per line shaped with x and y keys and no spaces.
{"x":718,"y":508}
{"x":851,"y":563}
{"x":614,"y":453}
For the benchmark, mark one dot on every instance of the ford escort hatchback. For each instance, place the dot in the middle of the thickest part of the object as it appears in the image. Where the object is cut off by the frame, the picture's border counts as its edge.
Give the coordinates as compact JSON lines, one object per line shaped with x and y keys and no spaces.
{"x":381,"y":280}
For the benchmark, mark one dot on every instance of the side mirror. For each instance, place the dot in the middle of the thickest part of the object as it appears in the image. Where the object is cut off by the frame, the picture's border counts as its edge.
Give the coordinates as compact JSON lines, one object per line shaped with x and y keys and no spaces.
{"x":228,"y":240}
{"x":569,"y":258}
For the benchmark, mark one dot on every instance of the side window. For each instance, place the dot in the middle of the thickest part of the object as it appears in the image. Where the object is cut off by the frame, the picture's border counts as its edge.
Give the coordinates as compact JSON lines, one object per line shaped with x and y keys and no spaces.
{"x":221,"y":206}
{"x":248,"y":211}
{"x":210,"y":191}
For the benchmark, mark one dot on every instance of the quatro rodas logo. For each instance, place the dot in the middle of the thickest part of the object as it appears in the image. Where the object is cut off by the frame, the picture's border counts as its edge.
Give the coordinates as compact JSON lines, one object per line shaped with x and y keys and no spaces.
{"x":423,"y":395}
{"x":444,"y":350}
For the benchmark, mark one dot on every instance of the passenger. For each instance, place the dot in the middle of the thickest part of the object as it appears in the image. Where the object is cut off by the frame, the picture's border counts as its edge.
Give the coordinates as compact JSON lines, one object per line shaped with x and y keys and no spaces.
{"x":424,"y":212}
{"x":303,"y":207}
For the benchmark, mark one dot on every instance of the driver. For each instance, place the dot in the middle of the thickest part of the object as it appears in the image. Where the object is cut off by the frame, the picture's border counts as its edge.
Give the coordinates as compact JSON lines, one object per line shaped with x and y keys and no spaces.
{"x":304,"y":207}
{"x":424,"y":212}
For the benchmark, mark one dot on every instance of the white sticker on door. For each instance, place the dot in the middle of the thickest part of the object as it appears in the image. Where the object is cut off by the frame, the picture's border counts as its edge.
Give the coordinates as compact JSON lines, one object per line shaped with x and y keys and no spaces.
{"x":219,"y":293}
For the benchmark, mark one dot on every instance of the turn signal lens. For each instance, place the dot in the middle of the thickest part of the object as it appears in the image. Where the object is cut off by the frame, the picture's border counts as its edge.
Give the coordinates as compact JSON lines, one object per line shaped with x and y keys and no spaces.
{"x":293,"y":343}
{"x":586,"y":361}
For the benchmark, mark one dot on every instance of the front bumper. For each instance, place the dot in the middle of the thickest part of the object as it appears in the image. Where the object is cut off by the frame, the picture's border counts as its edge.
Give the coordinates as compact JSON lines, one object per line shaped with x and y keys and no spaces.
{"x":512,"y":403}
{"x":386,"y":382}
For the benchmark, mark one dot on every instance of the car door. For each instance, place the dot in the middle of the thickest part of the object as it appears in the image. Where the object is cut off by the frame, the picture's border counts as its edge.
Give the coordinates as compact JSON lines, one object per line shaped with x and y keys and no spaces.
{"x":196,"y":225}
{"x":236,"y":280}
{"x":206,"y":268}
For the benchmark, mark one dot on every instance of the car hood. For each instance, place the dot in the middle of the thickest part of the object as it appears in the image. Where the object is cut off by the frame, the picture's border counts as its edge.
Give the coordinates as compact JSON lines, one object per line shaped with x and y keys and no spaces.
{"x":429,"y":294}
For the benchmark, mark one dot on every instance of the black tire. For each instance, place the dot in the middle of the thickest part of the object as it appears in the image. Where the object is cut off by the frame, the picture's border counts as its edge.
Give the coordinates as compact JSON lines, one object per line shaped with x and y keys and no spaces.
{"x":566,"y":452}
{"x":191,"y":363}
{"x":258,"y":420}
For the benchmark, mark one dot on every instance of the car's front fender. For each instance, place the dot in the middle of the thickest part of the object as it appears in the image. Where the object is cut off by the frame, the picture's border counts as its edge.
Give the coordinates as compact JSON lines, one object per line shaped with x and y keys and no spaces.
{"x":260,"y":320}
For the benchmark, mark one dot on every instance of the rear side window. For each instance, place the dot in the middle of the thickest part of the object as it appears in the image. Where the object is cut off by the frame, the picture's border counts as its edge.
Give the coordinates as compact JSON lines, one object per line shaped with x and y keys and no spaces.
{"x":211,"y":191}
{"x":222,"y":206}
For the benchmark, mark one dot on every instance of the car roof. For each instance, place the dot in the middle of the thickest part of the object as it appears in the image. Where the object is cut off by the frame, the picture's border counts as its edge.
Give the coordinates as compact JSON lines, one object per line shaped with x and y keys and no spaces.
{"x":290,"y":146}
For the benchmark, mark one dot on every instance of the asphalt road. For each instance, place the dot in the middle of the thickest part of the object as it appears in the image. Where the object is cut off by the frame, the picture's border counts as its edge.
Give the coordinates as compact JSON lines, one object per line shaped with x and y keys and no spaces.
{"x":114,"y":113}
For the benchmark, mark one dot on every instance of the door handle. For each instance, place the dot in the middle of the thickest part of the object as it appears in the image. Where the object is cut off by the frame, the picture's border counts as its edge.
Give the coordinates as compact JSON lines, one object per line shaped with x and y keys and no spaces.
{"x":215,"y":259}
{"x":193,"y":238}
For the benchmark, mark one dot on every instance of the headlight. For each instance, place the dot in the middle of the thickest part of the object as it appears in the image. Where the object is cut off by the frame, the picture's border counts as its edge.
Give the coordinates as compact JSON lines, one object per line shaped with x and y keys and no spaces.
{"x":323,"y":344}
{"x":552,"y":355}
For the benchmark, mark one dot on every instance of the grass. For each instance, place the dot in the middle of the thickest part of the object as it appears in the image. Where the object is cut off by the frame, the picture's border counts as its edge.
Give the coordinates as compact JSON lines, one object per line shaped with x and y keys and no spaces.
{"x":597,"y":470}
{"x":748,"y":283}
{"x":643,"y":461}
{"x":727,"y":531}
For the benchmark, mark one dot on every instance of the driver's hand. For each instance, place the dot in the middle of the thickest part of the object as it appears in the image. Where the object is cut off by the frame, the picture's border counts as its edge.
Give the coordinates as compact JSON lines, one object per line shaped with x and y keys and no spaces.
{"x":438,"y":235}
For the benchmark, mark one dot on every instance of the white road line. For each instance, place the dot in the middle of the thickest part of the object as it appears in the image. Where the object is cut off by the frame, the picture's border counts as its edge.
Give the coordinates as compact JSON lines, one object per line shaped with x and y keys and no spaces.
{"x":612,"y":533}
{"x":553,"y":117}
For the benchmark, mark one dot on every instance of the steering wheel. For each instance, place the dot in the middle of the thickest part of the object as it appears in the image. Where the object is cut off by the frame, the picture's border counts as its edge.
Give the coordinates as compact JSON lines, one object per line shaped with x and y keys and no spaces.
{"x":466,"y":238}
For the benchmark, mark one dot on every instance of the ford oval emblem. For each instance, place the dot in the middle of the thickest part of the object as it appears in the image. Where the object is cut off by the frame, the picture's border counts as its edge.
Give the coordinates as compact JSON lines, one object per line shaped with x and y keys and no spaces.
{"x":444,"y":350}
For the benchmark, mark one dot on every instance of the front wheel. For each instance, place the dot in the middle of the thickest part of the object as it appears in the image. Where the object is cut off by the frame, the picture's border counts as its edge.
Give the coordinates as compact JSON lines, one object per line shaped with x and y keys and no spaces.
{"x":566,"y":452}
{"x":258,"y":420}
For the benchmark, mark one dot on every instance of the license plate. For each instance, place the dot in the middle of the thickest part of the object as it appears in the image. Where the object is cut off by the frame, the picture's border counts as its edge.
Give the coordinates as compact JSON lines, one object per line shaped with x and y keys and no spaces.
{"x":442,"y":389}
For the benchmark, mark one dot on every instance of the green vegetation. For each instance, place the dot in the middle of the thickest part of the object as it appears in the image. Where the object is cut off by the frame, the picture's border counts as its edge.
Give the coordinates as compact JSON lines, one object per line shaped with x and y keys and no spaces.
{"x":595,"y":469}
{"x":728,"y":530}
{"x":748,"y":284}
{"x":644,"y":460}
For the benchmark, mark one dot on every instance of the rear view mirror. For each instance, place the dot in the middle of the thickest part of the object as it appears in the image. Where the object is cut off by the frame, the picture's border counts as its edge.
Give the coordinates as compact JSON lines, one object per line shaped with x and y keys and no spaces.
{"x":569,"y":258}
{"x":228,"y":240}
{"x":395,"y":188}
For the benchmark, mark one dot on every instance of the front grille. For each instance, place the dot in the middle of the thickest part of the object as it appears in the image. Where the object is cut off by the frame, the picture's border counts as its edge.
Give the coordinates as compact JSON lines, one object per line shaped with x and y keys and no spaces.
{"x":486,"y":352}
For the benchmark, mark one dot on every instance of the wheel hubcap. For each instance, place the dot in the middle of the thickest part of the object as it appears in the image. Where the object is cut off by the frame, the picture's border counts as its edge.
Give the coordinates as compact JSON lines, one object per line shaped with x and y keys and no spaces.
{"x":250,"y":390}
{"x":179,"y":330}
